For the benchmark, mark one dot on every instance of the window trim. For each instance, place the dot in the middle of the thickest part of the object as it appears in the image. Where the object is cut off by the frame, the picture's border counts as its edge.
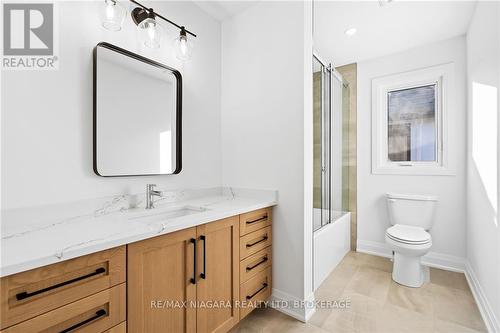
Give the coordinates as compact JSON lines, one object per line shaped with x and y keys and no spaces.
{"x":440,"y":75}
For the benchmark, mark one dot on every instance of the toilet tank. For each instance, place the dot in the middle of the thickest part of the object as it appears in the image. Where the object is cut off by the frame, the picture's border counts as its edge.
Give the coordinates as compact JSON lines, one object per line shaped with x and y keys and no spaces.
{"x":411,"y":209}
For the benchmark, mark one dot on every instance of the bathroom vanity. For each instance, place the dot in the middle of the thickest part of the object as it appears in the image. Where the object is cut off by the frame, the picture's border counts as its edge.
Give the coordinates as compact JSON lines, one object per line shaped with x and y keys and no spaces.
{"x":199,"y":262}
{"x":204,"y":277}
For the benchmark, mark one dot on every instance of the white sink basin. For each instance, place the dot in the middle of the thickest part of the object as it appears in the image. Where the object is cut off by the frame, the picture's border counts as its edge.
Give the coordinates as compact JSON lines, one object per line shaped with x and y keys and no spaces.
{"x":159,"y":214}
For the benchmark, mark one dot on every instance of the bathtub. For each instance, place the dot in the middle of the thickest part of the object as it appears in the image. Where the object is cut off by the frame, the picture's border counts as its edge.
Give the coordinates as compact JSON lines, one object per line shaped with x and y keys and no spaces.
{"x":331,"y":243}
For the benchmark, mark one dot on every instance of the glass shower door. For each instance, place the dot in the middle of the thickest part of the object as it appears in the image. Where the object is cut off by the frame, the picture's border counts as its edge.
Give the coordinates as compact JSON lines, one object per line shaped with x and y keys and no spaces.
{"x":322,"y":144}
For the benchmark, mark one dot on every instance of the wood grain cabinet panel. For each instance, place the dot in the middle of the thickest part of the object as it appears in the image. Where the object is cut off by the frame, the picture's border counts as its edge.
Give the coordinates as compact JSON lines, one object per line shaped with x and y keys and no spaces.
{"x":255,"y":220}
{"x":256,"y":259}
{"x":95,"y":313}
{"x":218,"y":264}
{"x":161,"y":295}
{"x":120,"y":328}
{"x":37,"y":291}
{"x":255,"y":263}
{"x":255,"y":290}
{"x":255,"y":241}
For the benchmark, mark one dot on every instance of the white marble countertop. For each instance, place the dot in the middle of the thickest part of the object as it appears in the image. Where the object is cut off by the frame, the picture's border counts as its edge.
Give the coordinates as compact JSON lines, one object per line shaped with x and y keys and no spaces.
{"x":29,"y":243}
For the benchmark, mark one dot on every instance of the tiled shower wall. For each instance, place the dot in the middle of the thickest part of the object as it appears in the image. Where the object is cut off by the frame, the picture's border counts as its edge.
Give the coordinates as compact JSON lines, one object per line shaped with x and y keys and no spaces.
{"x":349,"y":72}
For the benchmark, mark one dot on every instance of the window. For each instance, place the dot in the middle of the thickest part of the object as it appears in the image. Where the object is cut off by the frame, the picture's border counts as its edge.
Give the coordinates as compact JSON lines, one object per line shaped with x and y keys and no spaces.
{"x":409,"y":122}
{"x":412,"y":124}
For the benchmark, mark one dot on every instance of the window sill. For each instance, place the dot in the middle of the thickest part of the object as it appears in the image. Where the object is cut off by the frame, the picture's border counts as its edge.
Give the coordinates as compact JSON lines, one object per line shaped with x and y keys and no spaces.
{"x":413,"y":170}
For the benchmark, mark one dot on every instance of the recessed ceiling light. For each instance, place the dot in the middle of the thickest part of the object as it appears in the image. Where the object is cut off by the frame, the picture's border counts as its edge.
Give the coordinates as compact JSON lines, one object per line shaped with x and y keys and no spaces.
{"x":351,"y":31}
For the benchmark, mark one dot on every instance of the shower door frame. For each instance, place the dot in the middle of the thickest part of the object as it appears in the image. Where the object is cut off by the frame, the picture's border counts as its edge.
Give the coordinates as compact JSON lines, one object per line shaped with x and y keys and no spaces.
{"x":326,"y":70}
{"x":329,"y":71}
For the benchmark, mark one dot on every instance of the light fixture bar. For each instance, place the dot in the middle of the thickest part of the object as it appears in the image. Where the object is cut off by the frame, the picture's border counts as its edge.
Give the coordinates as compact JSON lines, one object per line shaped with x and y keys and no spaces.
{"x":163,"y":18}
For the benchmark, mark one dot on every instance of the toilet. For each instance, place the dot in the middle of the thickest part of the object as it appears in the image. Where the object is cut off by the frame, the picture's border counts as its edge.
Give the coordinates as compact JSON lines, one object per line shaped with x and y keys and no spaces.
{"x":410,"y":216}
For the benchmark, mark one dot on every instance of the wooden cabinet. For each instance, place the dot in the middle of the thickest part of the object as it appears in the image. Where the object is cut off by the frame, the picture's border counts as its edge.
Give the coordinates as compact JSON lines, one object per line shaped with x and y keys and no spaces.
{"x":255,"y":263}
{"x":255,"y":241}
{"x":256,"y":259}
{"x":162,"y":269}
{"x":218,"y":264}
{"x":161,"y":292}
{"x":120,"y":328}
{"x":255,"y":220}
{"x":192,"y":280}
{"x":32,"y":293}
{"x":95,"y":313}
{"x":255,"y":290}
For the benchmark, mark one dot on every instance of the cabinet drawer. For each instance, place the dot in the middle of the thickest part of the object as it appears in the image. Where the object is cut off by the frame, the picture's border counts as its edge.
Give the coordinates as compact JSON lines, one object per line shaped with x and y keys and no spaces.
{"x":29,"y":294}
{"x":252,"y":221}
{"x":92,"y":314}
{"x":255,"y":241}
{"x":255,"y":290}
{"x":255,"y":263}
{"x":120,"y":328}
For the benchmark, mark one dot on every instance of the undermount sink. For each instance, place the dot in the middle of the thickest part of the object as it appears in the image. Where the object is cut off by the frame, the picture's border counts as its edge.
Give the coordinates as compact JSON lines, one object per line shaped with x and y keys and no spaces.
{"x":167,"y":214}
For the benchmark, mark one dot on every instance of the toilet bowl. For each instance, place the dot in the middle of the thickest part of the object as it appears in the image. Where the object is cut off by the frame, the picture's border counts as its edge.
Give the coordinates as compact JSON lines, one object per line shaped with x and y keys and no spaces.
{"x":411,"y":216}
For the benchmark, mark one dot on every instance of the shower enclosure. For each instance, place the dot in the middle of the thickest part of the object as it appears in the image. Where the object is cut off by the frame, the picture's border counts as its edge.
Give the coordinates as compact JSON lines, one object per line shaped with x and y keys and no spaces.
{"x":331,"y":108}
{"x":331,"y":221}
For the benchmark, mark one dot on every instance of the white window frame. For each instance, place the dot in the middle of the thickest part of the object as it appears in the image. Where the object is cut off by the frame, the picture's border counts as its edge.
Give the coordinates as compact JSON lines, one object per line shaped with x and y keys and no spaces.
{"x":440,"y":75}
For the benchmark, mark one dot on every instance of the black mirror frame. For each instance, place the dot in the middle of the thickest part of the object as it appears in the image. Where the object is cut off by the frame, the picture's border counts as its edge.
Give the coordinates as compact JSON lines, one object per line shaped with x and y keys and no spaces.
{"x":178,"y":119}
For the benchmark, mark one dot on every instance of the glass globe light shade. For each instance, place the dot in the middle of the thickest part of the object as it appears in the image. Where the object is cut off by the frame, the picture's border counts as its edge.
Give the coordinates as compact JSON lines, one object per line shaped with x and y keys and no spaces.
{"x":183,"y":47}
{"x":150,"y":32}
{"x":112,"y":15}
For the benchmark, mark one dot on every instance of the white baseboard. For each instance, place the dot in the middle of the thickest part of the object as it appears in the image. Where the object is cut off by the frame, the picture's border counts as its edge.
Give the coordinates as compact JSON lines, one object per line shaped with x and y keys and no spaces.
{"x":374,"y":248}
{"x":489,"y":318}
{"x":444,"y":261}
{"x":292,"y":306}
{"x":432,"y":259}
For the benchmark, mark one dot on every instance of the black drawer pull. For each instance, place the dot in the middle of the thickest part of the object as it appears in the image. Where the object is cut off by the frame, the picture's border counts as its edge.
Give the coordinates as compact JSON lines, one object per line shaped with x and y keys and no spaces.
{"x":264,"y":286}
{"x":25,"y":294}
{"x":257,"y":220}
{"x":193,"y":279}
{"x":98,"y":314}
{"x":264,"y":259}
{"x":263,"y":239}
{"x":204,"y":274}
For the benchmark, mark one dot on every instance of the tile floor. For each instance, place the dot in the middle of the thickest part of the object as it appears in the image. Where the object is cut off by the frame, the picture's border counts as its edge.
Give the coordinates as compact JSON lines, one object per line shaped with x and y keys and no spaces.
{"x":378,"y":304}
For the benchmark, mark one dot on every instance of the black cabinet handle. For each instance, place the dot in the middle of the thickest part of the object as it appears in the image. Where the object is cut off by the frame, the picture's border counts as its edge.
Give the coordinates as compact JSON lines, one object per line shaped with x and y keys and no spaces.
{"x":264,"y":259}
{"x":257,"y":220}
{"x":264,"y":286}
{"x":203,"y":275}
{"x":193,"y":279}
{"x":98,"y":314}
{"x":25,"y":294}
{"x":263,"y":239}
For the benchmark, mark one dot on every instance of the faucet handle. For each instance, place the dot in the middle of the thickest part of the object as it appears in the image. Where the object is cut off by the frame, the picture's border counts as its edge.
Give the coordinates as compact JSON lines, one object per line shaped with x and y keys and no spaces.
{"x":150,"y":186}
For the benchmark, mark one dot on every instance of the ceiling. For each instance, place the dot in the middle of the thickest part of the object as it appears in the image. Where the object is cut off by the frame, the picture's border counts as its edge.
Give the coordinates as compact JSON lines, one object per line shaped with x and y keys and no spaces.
{"x":382,"y":30}
{"x":221,"y":10}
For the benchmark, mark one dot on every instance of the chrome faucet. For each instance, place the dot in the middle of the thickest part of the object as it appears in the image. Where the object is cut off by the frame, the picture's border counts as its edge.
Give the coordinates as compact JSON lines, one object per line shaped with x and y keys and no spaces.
{"x":150,"y":193}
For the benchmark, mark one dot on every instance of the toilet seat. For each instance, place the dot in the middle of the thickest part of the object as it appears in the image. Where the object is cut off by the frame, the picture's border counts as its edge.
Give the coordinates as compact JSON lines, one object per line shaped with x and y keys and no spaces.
{"x":408,"y":234}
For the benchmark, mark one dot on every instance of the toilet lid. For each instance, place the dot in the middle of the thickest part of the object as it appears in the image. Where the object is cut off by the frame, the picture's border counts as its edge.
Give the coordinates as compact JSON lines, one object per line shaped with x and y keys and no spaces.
{"x":408,"y":234}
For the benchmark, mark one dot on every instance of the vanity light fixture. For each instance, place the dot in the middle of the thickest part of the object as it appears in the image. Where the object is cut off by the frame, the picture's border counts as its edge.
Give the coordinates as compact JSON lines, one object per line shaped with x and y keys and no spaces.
{"x":112,"y":15}
{"x":183,"y":46}
{"x":151,"y":31}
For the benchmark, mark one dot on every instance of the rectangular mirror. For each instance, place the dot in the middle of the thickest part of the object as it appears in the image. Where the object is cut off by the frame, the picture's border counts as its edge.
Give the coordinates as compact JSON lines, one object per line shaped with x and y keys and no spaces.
{"x":137,"y":115}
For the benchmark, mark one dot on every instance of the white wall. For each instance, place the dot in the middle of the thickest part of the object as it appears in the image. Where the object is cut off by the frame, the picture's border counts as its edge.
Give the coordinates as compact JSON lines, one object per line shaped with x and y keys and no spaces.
{"x":267,"y":127}
{"x":483,"y":232}
{"x":448,"y":233}
{"x":47,"y":115}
